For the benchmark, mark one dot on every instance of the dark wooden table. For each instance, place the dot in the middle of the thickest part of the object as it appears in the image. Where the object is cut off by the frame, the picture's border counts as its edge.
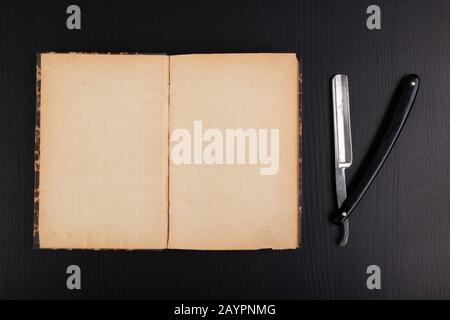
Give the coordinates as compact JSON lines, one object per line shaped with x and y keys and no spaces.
{"x":401,"y":225}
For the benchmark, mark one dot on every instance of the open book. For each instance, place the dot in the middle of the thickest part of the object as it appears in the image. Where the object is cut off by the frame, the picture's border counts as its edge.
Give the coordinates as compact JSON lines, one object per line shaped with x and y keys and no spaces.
{"x":194,"y":151}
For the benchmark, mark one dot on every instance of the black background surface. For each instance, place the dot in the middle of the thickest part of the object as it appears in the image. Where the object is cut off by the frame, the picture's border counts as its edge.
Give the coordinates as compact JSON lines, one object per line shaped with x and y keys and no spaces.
{"x":403,"y":222}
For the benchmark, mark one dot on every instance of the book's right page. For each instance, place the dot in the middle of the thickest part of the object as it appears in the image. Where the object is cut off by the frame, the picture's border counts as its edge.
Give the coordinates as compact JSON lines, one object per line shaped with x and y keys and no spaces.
{"x":234,"y":167}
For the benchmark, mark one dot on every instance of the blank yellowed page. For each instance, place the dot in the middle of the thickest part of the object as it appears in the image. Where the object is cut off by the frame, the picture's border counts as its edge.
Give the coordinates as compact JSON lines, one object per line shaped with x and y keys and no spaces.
{"x":227,"y":207}
{"x":103,"y":151}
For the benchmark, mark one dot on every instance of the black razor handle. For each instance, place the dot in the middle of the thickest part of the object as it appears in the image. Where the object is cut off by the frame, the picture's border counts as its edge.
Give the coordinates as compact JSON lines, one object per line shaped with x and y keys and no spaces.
{"x":402,"y":104}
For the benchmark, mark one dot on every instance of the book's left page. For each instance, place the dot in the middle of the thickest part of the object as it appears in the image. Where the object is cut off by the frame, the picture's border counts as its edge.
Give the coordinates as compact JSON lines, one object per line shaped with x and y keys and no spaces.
{"x":101,"y":151}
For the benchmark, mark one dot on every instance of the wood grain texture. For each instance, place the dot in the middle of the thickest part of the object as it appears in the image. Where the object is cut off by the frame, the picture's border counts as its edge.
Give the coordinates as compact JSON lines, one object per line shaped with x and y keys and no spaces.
{"x":403,"y":222}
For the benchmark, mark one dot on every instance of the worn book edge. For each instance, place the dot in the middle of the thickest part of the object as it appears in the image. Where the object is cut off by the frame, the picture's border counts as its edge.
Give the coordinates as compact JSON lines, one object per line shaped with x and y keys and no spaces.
{"x":37,"y":141}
